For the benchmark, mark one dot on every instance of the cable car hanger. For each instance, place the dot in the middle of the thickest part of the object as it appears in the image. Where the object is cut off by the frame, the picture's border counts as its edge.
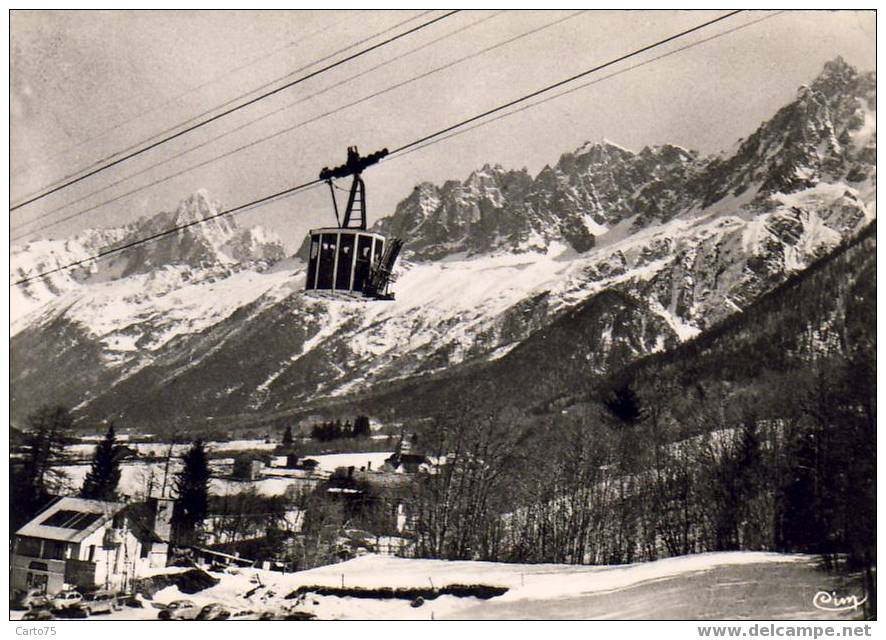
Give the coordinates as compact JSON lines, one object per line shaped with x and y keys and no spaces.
{"x":353,"y":167}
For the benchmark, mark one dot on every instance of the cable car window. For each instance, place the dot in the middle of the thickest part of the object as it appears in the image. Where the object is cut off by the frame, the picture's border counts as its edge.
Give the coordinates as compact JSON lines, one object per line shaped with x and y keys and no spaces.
{"x":379,"y":245}
{"x":312,"y":261}
{"x":361,"y":269}
{"x":345,"y":261}
{"x":326,"y":261}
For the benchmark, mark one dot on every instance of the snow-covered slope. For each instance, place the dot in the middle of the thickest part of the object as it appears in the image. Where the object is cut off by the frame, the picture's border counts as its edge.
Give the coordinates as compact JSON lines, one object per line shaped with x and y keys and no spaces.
{"x":212,"y":322}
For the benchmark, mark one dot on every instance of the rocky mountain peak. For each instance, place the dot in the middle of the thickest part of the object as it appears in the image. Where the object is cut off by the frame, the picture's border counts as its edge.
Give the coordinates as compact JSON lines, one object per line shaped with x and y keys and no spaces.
{"x":219,"y":244}
{"x":198,"y":206}
{"x":216,"y":243}
{"x":815,"y":138}
{"x":807,"y":142}
{"x":837,"y":78}
{"x":602,"y":151}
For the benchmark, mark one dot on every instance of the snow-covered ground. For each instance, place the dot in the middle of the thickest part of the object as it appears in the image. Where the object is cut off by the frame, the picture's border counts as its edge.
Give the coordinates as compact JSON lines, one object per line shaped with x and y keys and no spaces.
{"x":161,"y":449}
{"x":332,"y":461}
{"x":733,"y":585}
{"x":136,"y":476}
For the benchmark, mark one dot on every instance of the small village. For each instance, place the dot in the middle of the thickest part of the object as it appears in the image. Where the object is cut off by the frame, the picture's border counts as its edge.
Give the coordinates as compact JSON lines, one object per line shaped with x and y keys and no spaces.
{"x":145,"y":508}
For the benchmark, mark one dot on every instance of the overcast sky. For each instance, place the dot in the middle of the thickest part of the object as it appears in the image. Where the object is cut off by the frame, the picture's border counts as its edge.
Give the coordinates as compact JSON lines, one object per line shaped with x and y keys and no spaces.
{"x":87,"y":84}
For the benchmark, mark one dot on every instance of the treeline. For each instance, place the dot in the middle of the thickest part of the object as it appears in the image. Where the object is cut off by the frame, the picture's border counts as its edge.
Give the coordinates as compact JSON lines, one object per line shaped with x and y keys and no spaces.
{"x":335,"y":430}
{"x":786,"y":463}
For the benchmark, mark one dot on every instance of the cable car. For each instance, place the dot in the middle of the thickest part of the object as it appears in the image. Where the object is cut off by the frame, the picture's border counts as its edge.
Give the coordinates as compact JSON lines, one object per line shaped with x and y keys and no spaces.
{"x":349,"y":260}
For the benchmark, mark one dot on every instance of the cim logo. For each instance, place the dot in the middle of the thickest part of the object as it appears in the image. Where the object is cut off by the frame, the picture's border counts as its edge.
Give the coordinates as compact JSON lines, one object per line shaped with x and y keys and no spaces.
{"x":830,"y":601}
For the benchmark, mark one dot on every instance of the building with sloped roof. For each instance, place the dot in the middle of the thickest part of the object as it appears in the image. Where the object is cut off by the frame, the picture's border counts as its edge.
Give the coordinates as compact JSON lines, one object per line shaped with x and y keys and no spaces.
{"x":90,"y":544}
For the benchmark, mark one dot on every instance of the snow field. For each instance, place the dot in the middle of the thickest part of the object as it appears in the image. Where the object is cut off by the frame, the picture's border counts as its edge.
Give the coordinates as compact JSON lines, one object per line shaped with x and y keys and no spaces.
{"x":529,"y":585}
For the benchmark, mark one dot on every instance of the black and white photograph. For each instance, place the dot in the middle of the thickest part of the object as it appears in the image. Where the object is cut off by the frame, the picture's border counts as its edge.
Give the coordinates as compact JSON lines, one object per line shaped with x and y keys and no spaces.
{"x":443,"y":314}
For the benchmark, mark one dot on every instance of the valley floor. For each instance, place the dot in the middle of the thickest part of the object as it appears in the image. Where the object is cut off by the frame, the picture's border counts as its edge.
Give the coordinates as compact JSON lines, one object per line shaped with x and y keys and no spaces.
{"x":713,"y":586}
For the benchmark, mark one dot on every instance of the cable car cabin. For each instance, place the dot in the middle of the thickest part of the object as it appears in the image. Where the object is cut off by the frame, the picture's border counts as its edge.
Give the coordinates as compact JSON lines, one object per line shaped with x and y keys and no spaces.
{"x":346,"y":261}
{"x":349,"y":260}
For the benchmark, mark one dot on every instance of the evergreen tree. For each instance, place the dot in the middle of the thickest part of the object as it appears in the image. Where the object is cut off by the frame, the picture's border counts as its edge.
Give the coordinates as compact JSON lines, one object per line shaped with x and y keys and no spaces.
{"x":624,"y":404}
{"x":800,"y":522}
{"x":104,"y":476}
{"x":287,"y":437}
{"x":192,"y":487}
{"x":361,"y":427}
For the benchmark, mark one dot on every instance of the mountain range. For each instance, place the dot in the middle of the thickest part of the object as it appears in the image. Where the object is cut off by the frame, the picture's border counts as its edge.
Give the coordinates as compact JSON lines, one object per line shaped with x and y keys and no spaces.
{"x":605,"y":257}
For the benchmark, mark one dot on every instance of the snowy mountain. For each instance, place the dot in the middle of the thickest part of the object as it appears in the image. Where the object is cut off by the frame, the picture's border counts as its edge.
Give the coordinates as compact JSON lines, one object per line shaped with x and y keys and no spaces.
{"x":213,"y":249}
{"x":825,"y":136}
{"x":607,"y":256}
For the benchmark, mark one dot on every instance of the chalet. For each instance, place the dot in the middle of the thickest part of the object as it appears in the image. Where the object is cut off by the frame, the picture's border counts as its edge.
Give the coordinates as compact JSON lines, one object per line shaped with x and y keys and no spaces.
{"x":90,"y":544}
{"x":293,"y":460}
{"x":406,"y":463}
{"x":247,"y":467}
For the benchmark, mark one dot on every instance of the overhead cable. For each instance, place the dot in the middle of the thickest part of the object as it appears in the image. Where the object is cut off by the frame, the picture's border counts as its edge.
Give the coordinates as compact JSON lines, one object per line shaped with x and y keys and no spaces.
{"x":203,"y":123}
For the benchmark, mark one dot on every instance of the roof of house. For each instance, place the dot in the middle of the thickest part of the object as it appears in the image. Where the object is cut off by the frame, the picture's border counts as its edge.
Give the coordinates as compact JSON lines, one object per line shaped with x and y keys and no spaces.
{"x":407,"y":458}
{"x":70,"y":519}
{"x":138,"y":517}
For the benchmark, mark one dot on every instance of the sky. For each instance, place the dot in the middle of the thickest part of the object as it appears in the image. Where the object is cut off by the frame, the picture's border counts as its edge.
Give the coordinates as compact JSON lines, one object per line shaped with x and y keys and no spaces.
{"x":87,"y":84}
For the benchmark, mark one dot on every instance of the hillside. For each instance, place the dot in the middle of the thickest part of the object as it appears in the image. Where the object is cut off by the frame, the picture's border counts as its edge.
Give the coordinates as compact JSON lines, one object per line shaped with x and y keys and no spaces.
{"x":824,"y":311}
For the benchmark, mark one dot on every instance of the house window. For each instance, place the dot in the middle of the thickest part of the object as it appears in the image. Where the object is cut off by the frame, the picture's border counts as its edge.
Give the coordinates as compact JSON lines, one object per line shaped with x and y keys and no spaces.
{"x":91,"y":553}
{"x":53,"y":550}
{"x":28,"y":546}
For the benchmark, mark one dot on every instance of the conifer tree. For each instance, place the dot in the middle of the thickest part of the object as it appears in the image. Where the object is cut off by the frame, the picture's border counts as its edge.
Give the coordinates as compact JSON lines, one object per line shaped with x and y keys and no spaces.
{"x":624,"y":404}
{"x":103,"y":478}
{"x":361,"y":427}
{"x":192,"y":487}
